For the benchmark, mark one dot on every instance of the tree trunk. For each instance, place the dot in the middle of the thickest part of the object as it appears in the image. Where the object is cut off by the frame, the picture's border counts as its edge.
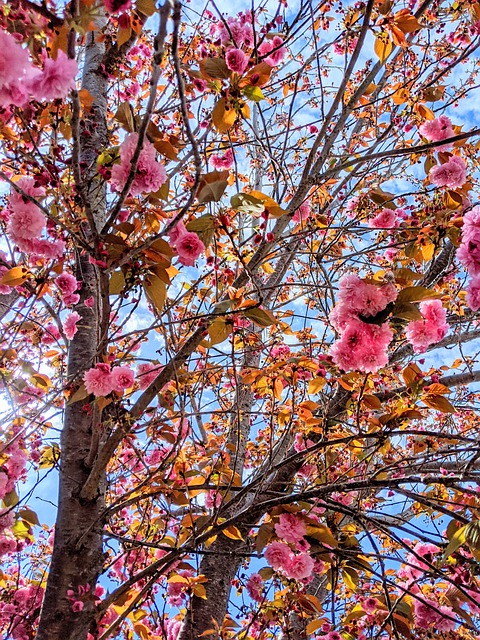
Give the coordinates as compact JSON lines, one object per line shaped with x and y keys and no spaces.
{"x":77,"y":558}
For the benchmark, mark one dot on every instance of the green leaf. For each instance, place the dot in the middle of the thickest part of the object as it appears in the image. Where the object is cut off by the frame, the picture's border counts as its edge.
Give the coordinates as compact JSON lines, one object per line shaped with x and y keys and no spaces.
{"x":215,"y":68}
{"x":212,"y":186}
{"x":253,"y":93}
{"x":147,"y":7}
{"x":10,"y":499}
{"x":117,"y":283}
{"x":202,"y":223}
{"x":261,"y":317}
{"x":416,"y":294}
{"x":29,"y":516}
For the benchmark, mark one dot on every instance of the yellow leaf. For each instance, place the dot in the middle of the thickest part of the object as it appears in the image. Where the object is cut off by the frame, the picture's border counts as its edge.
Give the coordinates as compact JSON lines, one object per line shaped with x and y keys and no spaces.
{"x":416,"y":294}
{"x":219,"y":331}
{"x":80,"y":394}
{"x":427,"y":251}
{"x":15,"y":276}
{"x":323,"y":534}
{"x":199,"y":591}
{"x":316,"y":385}
{"x":156,"y":291}
{"x":269,"y":203}
{"x":458,"y":538}
{"x":383,"y":46}
{"x":49,"y":457}
{"x":223,"y":116}
{"x":439,"y":403}
{"x":177,"y":579}
{"x":123,"y":36}
{"x":313,"y":626}
{"x":406,"y":21}
{"x":350,"y":577}
{"x":233,"y":533}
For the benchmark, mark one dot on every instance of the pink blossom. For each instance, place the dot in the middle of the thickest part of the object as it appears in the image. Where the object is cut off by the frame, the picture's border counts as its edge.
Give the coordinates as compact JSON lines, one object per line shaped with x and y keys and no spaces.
{"x":277,"y":554}
{"x":71,"y":299}
{"x":290,"y":527}
{"x":469,"y":251}
{"x":51,"y":249}
{"x":122,"y":378}
{"x":70,"y":324}
{"x":177,"y":231}
{"x":222,"y":162}
{"x":430,"y":615}
{"x":300,"y":566}
{"x":77,"y":606}
{"x":56,"y":79}
{"x":26,"y":222}
{"x":254,"y":587}
{"x":189,"y":247}
{"x":150,"y":174}
{"x":146,"y":374}
{"x":280,"y":351}
{"x":172,"y":628}
{"x":370,"y":605}
{"x":117,"y":6}
{"x":15,"y":69}
{"x":302,"y":213}
{"x":386,"y":219}
{"x":236,"y":60}
{"x":89,"y":302}
{"x":437,"y":130}
{"x":431,"y":329}
{"x":98,"y":380}
{"x":362,"y":347}
{"x":452,"y":174}
{"x":473,"y":293}
{"x":213,"y":499}
{"x":4,"y":288}
{"x":66,"y":283}
{"x":275,"y":46}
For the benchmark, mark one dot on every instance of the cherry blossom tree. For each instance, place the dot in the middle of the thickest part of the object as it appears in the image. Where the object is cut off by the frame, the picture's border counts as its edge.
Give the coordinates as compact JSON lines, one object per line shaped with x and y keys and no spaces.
{"x":239,"y":295}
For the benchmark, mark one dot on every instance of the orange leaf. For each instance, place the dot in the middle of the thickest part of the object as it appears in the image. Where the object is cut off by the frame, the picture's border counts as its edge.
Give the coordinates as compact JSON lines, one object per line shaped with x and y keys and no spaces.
{"x":383,"y":46}
{"x":223,"y":116}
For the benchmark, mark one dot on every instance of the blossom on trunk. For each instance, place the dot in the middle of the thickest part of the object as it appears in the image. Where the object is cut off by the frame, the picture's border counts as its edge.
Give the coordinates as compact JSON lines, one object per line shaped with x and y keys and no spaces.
{"x":70,"y":324}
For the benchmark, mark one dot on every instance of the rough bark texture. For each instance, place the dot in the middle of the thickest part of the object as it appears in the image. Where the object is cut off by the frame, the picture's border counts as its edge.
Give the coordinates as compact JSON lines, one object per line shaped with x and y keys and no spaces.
{"x":77,"y":558}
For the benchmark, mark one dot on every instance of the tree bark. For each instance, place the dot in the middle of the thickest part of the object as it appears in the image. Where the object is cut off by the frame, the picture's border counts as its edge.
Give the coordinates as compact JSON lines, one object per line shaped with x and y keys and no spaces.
{"x":77,"y":558}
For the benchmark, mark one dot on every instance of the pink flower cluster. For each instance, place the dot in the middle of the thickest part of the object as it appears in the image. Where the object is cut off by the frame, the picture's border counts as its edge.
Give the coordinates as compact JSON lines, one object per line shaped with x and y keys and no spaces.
{"x":238,"y":30}
{"x":188,"y":244}
{"x":469,"y":255}
{"x":19,"y":79}
{"x":437,"y":130}
{"x":19,"y":610}
{"x":290,"y":528}
{"x":362,"y":346}
{"x":275,"y":48}
{"x":302,"y":213}
{"x":451,"y":174}
{"x":150,"y":174}
{"x":297,"y":566}
{"x":431,"y":329}
{"x":70,"y":324}
{"x":414,"y":568}
{"x":25,"y":222}
{"x":222,"y":162}
{"x":385,"y":219}
{"x":431,"y":615}
{"x":101,"y":380}
{"x":146,"y":374}
{"x":237,"y":60}
{"x":67,"y":285}
{"x":117,"y":6}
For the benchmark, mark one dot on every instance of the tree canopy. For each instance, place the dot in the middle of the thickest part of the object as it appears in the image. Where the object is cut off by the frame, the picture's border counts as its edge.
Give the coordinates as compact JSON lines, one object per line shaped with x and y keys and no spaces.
{"x":239,"y":300}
